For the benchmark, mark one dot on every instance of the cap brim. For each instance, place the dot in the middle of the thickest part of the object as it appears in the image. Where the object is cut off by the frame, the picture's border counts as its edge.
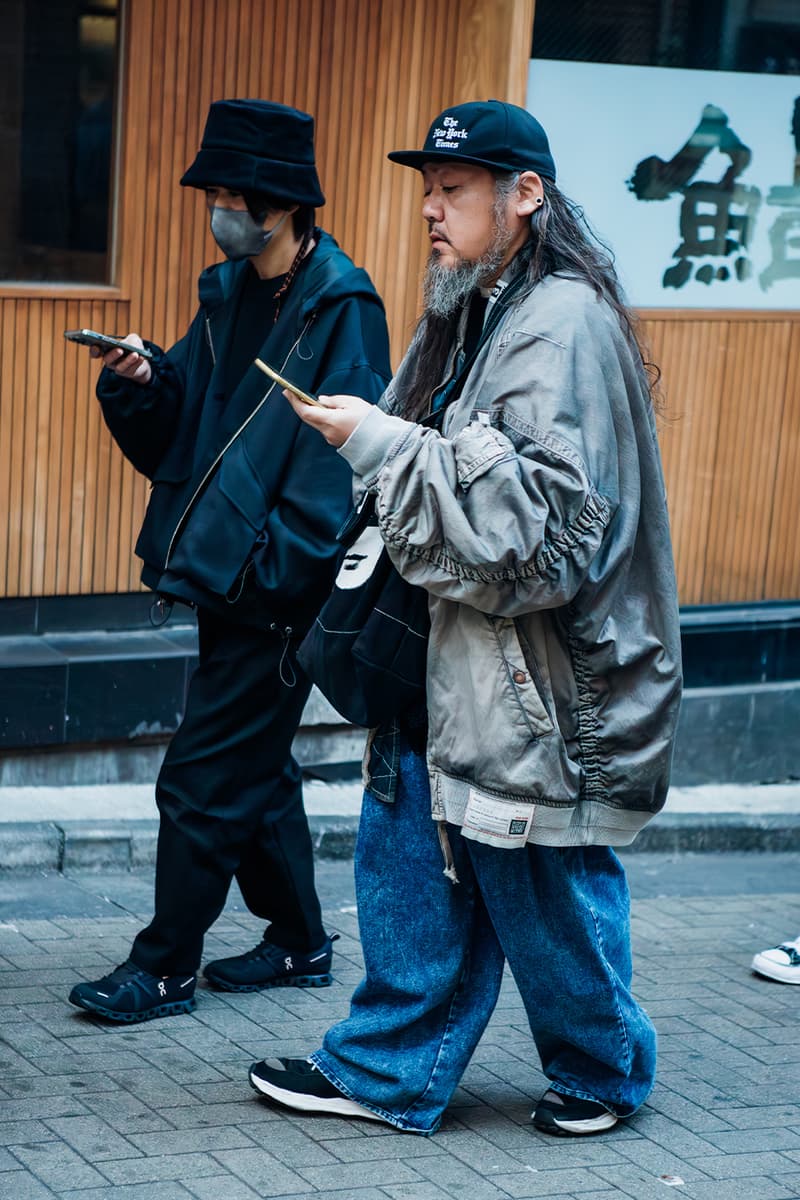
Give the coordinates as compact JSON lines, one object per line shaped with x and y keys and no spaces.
{"x":418,"y":158}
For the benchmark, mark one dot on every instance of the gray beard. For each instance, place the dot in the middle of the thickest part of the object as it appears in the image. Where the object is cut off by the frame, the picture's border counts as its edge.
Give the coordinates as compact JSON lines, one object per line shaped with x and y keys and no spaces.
{"x":446,"y":289}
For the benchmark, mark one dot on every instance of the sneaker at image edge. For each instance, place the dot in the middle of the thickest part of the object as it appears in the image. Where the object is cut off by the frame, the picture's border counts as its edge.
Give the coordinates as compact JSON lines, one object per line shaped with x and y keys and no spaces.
{"x":268,"y":966}
{"x":782,"y":963}
{"x":299,"y":1084}
{"x":131,"y":994}
{"x":567,"y":1116}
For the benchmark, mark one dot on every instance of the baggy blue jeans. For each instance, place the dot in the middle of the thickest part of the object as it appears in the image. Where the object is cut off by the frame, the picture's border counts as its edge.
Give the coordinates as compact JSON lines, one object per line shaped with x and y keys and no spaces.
{"x":434,"y":953}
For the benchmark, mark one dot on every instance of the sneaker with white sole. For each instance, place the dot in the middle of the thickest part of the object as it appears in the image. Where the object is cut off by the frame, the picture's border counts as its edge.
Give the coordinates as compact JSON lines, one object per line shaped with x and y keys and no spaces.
{"x":269,"y":966}
{"x":568,"y":1116}
{"x":781,"y":964}
{"x":299,"y":1084}
{"x":130,"y":994}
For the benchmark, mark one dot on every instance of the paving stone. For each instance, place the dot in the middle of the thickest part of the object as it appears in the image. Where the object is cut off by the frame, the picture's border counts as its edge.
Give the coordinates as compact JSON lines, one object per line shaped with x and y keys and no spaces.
{"x":125,"y":1112}
{"x":269,"y":1177}
{"x":684,"y":1112}
{"x":36,"y":1107}
{"x":733,"y":1166}
{"x":58,"y":1166}
{"x":744,"y":1140}
{"x":155,"y":1168}
{"x":21,"y":1185}
{"x":92,"y":1138}
{"x":533,"y":1183}
{"x":164,"y":1109}
{"x":386,"y":1145}
{"x":765,"y":1116}
{"x":367,"y":1193}
{"x":457,"y":1179}
{"x":65,"y":1062}
{"x":346,"y":1176}
{"x":219,"y":1138}
{"x":294,"y":1148}
{"x":14,"y":1132}
{"x":244,"y":1111}
{"x":415,"y":1191}
{"x":152,"y":1086}
{"x":754,"y":1188}
{"x":137,"y":1191}
{"x":644,"y":1185}
{"x":221,"y":1187}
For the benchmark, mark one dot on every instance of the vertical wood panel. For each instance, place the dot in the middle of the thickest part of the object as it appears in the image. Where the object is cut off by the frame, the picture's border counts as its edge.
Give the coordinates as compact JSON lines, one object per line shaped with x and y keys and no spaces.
{"x":783,"y":560}
{"x":730,"y":441}
{"x":374,"y":75}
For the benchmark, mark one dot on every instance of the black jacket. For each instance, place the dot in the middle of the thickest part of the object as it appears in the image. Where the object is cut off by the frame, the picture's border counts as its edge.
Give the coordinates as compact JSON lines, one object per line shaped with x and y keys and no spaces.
{"x":258,"y":543}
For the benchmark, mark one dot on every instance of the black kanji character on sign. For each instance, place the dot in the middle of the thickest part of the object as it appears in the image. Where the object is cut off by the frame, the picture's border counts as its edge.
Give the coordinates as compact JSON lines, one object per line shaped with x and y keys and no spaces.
{"x":716,"y":219}
{"x":784,"y":235}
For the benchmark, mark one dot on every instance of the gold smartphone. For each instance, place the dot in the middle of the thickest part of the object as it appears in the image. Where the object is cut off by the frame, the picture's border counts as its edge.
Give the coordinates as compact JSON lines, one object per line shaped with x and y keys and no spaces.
{"x":284,"y":383}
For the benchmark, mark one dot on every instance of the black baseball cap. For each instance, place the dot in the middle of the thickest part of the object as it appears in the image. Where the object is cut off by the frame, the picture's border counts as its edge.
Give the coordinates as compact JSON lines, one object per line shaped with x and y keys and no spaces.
{"x":488,"y":133}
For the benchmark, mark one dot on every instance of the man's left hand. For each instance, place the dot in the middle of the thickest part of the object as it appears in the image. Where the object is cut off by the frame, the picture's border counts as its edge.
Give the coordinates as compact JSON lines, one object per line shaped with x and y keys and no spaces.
{"x":337,"y":420}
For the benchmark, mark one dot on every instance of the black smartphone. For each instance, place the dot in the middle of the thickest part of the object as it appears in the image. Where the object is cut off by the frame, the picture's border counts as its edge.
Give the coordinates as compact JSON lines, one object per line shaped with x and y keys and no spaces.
{"x":104,"y":342}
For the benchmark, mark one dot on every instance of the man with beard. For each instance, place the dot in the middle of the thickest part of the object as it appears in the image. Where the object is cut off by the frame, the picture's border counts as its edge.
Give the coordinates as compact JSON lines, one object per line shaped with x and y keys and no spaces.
{"x":535,"y":518}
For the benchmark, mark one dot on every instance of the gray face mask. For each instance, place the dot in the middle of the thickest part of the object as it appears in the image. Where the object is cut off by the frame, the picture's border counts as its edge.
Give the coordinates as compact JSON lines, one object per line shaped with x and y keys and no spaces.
{"x":238,"y":235}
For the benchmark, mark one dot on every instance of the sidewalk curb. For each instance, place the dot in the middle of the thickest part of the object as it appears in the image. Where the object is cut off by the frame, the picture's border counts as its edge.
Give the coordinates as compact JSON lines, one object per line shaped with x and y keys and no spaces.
{"x":128,"y":845}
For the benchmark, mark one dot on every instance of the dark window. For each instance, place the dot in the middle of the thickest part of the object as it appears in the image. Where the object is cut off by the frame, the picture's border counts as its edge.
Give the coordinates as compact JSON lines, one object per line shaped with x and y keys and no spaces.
{"x":709,"y":35}
{"x":58,"y":83}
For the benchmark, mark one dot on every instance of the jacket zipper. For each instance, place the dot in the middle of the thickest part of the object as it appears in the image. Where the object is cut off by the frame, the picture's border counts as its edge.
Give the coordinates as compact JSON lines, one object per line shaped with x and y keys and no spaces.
{"x":201,"y":485}
{"x":446,"y":381}
{"x":210,"y":341}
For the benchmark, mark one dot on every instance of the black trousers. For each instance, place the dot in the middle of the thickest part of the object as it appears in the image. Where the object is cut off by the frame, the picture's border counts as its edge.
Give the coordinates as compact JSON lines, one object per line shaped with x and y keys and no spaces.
{"x":230,"y":800}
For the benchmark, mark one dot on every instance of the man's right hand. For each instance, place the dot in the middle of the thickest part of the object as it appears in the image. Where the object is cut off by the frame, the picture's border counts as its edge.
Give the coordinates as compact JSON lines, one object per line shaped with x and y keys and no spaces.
{"x":129,"y":366}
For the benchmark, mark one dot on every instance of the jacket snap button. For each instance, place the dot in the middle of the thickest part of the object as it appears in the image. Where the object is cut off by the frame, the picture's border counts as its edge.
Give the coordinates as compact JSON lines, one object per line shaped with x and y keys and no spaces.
{"x":520,"y":677}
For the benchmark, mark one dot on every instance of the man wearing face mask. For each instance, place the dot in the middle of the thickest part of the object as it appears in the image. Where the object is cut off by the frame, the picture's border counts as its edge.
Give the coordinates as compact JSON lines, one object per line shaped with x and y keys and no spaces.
{"x":245,"y":505}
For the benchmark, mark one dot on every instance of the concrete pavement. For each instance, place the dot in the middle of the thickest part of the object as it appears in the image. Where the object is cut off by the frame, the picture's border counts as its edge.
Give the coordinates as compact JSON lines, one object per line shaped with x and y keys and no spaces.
{"x":162,"y":1111}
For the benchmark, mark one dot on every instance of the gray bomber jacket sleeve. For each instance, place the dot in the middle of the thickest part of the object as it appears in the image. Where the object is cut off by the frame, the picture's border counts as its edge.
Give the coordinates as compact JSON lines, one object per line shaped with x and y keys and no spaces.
{"x":508,"y":517}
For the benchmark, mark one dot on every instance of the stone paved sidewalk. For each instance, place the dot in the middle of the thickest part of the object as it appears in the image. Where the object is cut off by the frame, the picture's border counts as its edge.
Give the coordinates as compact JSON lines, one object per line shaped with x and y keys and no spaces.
{"x":163,"y":1111}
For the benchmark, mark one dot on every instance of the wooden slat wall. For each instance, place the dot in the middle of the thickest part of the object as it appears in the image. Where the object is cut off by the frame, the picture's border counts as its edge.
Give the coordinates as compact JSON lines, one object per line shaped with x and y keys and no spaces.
{"x":730,"y":438}
{"x":374,"y":74}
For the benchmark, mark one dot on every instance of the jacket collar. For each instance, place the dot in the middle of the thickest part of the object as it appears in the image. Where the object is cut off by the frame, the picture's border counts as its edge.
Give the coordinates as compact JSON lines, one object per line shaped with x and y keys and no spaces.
{"x":327,"y":276}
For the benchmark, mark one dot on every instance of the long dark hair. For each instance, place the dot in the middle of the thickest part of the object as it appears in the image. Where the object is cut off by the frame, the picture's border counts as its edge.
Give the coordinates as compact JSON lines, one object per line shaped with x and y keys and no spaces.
{"x":561,"y":241}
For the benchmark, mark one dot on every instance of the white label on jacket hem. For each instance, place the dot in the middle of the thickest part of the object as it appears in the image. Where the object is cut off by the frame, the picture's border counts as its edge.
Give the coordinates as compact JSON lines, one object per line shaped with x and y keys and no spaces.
{"x":500,"y":822}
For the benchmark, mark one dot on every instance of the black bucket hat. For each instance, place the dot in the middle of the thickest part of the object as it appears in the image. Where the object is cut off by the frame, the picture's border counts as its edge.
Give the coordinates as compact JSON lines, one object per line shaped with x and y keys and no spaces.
{"x":258,"y":146}
{"x":487,"y":133}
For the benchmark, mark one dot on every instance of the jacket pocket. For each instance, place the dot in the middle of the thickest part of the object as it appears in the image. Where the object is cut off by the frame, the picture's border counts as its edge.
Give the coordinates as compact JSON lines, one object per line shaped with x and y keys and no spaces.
{"x":217,"y":538}
{"x":241,"y":486}
{"x":522,"y":684}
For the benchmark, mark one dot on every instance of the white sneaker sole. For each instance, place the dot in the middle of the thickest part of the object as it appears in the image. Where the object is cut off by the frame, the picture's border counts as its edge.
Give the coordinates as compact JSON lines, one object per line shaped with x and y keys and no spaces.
{"x":772,"y":970}
{"x":591,"y":1125}
{"x":302,"y":1102}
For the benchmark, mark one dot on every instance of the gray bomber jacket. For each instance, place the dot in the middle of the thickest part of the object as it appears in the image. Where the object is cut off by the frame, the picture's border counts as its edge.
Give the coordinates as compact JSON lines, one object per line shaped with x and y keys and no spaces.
{"x":537,"y":522}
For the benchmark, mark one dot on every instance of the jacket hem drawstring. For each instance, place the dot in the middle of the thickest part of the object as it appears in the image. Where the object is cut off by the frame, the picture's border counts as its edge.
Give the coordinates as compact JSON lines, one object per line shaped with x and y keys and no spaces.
{"x":286,"y":671}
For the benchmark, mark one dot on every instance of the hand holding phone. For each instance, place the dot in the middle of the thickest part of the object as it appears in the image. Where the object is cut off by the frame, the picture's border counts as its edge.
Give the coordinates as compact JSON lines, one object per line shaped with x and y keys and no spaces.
{"x":304,"y":397}
{"x":105,"y":342}
{"x":127,"y":357}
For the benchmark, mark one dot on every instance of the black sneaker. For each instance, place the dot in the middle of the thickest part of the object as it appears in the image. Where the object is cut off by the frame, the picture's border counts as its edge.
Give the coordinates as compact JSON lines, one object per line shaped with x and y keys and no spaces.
{"x":567,"y":1116}
{"x":268,"y":966}
{"x":131,"y":994}
{"x":300,"y":1085}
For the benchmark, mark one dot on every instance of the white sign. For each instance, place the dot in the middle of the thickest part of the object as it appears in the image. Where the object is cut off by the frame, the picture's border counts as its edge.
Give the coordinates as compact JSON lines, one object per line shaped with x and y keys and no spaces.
{"x":688,"y":176}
